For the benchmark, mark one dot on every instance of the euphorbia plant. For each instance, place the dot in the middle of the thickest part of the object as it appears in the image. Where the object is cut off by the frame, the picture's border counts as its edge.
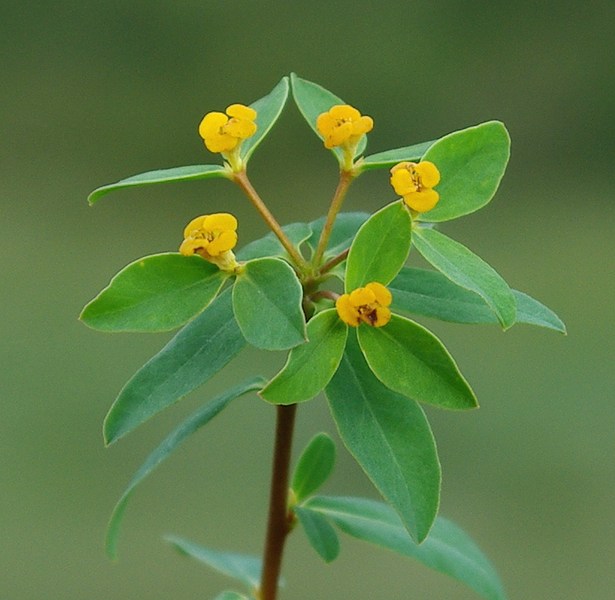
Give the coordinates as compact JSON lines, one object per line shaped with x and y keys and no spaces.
{"x":334,"y":294}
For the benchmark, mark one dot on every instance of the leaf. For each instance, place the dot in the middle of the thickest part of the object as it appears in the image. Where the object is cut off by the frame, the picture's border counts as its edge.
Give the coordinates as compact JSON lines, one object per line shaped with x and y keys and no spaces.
{"x":231,"y":596}
{"x":196,"y":353}
{"x":412,"y":361}
{"x":320,"y":534}
{"x":389,"y":158}
{"x":242,"y":567}
{"x":268,"y":109}
{"x":311,"y":365}
{"x":313,"y":100}
{"x":390,"y":438}
{"x":471,"y":164}
{"x":380,"y":247}
{"x":448,"y":549}
{"x":269,"y":245}
{"x":197,"y":420}
{"x":469,"y":271}
{"x":189,"y":173}
{"x":155,"y":293}
{"x":267,"y":302}
{"x":314,"y":466}
{"x":431,"y":294}
{"x":344,"y":229}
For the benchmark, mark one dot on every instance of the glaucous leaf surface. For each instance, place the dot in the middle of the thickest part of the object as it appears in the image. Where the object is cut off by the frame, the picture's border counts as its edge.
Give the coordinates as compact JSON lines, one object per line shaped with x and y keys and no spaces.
{"x":345,"y":228}
{"x":198,"y":351}
{"x":412,"y":361}
{"x":390,"y":438}
{"x":189,"y":173}
{"x":380,"y":247}
{"x":267,"y":300}
{"x":447,"y":549}
{"x":269,"y":245}
{"x":389,"y":158}
{"x":155,"y":293}
{"x":471,"y":164}
{"x":468,"y":270}
{"x":311,"y":365}
{"x":319,"y":532}
{"x":314,"y":466}
{"x":197,"y":420}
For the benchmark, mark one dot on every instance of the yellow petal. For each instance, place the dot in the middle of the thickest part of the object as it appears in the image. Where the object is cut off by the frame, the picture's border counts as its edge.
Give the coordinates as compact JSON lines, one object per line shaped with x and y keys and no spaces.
{"x":339,"y":135}
{"x":344,"y":112}
{"x":195,"y":225}
{"x":211,"y":124}
{"x":241,"y":111}
{"x":362,"y":297}
{"x":221,"y":143}
{"x":346,"y":311}
{"x":363,"y":125}
{"x":382,"y":316}
{"x":225,"y":241}
{"x":402,"y":182}
{"x":240,"y":128}
{"x":220,"y":221}
{"x":429,"y":174}
{"x":190,"y":245}
{"x":422,"y":201}
{"x":382,"y":294}
{"x":325,"y":124}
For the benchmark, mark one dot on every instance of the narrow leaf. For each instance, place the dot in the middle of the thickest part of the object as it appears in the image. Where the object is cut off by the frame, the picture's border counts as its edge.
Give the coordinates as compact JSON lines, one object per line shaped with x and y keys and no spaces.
{"x":231,"y":596}
{"x":412,"y":361}
{"x":344,"y":229}
{"x":469,"y":271}
{"x":269,"y":245}
{"x":267,"y":303}
{"x":242,"y":567}
{"x":314,"y":466}
{"x":380,"y":247}
{"x":431,"y":294}
{"x":196,"y":353}
{"x":197,"y":420}
{"x":448,"y":549}
{"x":311,"y":365}
{"x":155,"y":293}
{"x":471,"y":164}
{"x":390,"y":438}
{"x":190,"y":173}
{"x":320,"y":534}
{"x":389,"y":158}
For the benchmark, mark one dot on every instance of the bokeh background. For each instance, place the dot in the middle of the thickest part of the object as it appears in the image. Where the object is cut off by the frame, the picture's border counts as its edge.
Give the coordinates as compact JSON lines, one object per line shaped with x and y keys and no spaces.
{"x":95,"y":91}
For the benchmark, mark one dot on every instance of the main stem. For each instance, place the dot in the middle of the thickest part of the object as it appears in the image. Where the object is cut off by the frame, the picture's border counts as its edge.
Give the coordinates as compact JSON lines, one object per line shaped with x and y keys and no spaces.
{"x":279,"y":523}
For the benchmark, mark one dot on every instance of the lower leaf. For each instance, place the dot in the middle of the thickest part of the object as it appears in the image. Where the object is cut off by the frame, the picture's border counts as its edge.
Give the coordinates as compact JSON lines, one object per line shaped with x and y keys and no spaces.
{"x":320,"y":534}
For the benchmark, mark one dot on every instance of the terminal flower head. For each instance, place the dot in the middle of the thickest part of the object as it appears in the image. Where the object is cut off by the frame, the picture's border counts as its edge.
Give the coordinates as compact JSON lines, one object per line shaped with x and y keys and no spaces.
{"x":369,"y":304}
{"x":343,"y":125}
{"x":213,"y":237}
{"x":414,"y":182}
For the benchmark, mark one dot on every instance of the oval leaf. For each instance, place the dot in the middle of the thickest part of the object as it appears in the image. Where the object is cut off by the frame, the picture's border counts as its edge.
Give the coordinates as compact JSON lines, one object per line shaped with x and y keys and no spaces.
{"x":311,"y":365}
{"x":380,"y":247}
{"x":314,"y":466}
{"x":189,"y":173}
{"x":267,"y":303}
{"x":320,"y":534}
{"x":448,"y":549}
{"x":389,"y":158}
{"x":155,"y":293}
{"x":466,"y":269}
{"x":390,"y":438}
{"x":196,"y":353}
{"x":471,"y":164}
{"x":200,"y":418}
{"x":412,"y":361}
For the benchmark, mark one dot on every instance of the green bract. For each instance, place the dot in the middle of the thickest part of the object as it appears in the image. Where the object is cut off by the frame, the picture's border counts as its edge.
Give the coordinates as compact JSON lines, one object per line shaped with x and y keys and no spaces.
{"x":282,"y":292}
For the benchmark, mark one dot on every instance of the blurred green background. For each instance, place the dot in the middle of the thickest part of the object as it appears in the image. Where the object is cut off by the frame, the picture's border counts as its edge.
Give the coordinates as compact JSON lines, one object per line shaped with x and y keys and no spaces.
{"x":95,"y":91}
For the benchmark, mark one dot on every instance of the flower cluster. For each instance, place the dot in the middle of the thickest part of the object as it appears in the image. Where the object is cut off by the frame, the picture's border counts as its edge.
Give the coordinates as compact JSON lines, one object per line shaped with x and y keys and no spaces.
{"x":369,"y":304}
{"x":414,"y":182}
{"x":225,"y":132}
{"x":343,"y":126}
{"x":213,"y":237}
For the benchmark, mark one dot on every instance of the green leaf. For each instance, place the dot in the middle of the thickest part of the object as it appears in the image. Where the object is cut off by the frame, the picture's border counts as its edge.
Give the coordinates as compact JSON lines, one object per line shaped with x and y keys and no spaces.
{"x":431,"y":294}
{"x":243,"y":567}
{"x":471,"y":164}
{"x":448,"y":549}
{"x":344,"y":229}
{"x":269,"y":245}
{"x":231,"y":596}
{"x":389,"y":158}
{"x":412,"y":361}
{"x":196,"y":353}
{"x":320,"y":534}
{"x":390,"y":438}
{"x":469,"y":271}
{"x":155,"y":293}
{"x":380,"y":247}
{"x":314,"y":466}
{"x":313,"y":100}
{"x":190,"y":173}
{"x":197,"y":420}
{"x":267,"y":303}
{"x":268,"y":109}
{"x":311,"y":365}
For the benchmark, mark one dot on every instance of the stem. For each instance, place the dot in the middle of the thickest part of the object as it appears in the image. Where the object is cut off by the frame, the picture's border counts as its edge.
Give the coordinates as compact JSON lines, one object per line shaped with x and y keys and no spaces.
{"x":279,"y":524}
{"x":336,"y":260}
{"x":346,"y":178}
{"x":241,"y":178}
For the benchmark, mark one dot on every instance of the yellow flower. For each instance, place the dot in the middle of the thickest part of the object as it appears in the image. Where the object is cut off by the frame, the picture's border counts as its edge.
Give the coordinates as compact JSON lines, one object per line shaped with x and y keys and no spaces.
{"x":213,"y":237}
{"x":368,"y":304}
{"x":414,"y":182}
{"x":343,"y":125}
{"x":225,"y":132}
